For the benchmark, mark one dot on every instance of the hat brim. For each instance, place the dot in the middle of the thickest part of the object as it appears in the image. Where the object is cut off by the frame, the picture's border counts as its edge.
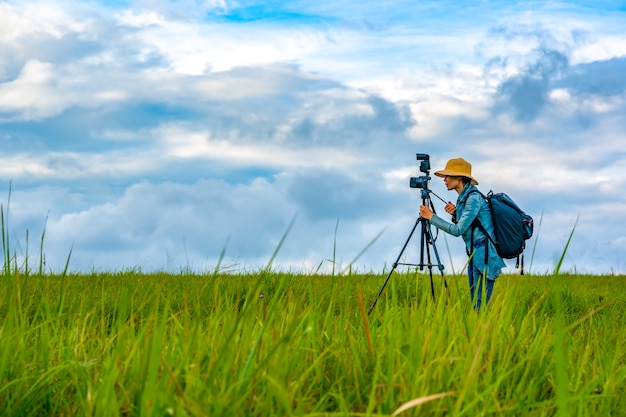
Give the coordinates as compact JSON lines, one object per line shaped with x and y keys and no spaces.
{"x":445,"y":172}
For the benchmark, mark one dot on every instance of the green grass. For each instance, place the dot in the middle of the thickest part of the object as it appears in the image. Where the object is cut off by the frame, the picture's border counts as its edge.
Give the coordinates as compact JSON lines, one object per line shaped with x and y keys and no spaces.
{"x":270,"y":343}
{"x":267,"y":343}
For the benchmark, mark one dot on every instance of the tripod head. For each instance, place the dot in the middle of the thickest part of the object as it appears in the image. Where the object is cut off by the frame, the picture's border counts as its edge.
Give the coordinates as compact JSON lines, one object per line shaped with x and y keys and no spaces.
{"x":421,"y":182}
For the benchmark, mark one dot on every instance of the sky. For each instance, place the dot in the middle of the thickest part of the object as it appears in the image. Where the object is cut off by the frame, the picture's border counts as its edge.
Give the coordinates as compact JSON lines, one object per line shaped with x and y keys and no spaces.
{"x":203,"y":135}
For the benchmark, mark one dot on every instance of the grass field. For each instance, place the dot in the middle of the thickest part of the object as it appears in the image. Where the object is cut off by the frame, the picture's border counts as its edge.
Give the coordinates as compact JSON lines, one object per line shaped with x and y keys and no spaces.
{"x":276,"y":344}
{"x":270,"y":343}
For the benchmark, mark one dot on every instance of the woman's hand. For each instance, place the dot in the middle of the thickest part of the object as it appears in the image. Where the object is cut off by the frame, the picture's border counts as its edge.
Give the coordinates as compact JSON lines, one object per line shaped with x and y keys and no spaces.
{"x":426,"y":212}
{"x":450,"y":208}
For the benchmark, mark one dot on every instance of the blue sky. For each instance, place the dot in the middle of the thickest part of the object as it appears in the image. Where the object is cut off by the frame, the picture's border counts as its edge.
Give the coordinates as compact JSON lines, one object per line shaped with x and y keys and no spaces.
{"x":155,"y":135}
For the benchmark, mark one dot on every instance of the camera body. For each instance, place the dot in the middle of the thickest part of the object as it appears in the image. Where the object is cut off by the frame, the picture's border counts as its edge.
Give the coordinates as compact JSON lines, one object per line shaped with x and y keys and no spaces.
{"x":421,"y":181}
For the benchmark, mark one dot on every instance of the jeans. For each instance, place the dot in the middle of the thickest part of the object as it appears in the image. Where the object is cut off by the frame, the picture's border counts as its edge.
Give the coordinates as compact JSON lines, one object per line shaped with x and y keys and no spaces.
{"x":476,"y":281}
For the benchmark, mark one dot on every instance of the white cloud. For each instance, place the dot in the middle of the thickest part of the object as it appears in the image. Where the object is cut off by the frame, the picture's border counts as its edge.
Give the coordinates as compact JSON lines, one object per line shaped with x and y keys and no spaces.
{"x":195,"y":49}
{"x":603,"y":48}
{"x":140,"y":19}
{"x":32,"y":95}
{"x":34,"y":19}
{"x":76,"y":166}
{"x":181,"y":143}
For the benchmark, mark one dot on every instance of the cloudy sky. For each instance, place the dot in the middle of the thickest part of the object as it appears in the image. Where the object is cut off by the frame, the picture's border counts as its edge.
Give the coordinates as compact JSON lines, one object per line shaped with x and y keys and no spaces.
{"x":163,"y":135}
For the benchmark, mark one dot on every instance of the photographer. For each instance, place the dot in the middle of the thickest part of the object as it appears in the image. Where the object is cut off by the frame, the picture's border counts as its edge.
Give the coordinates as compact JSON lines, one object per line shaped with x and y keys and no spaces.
{"x":484,"y":260}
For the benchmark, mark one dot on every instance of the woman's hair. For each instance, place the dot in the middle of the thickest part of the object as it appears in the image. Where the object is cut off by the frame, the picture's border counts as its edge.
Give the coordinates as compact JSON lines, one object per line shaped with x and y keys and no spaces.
{"x":465,"y":180}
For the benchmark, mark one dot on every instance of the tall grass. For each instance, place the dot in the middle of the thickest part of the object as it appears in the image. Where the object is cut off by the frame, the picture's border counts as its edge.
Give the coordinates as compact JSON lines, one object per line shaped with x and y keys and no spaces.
{"x":283,"y":344}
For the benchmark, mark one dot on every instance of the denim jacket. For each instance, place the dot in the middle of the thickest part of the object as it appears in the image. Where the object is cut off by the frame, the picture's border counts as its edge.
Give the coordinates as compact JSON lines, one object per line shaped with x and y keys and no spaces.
{"x":470,"y":206}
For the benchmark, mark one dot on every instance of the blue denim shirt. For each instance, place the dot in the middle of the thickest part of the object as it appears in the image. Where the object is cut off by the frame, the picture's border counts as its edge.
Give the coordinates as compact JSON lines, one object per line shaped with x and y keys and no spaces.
{"x":470,"y":206}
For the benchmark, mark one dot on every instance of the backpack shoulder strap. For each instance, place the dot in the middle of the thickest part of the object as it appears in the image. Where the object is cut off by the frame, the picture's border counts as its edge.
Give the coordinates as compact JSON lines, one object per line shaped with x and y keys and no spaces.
{"x":476,"y":222}
{"x":474,"y":191}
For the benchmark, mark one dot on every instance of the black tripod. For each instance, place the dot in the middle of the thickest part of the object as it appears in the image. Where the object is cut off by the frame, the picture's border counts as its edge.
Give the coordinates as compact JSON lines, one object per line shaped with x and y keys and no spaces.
{"x":426,"y":242}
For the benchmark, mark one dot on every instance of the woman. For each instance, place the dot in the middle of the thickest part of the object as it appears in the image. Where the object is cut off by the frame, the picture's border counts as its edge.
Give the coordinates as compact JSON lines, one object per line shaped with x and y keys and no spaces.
{"x":470,"y":207}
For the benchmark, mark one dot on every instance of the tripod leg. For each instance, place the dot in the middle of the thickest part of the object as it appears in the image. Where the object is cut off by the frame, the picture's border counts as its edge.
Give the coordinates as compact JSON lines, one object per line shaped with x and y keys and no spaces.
{"x":395,"y":265}
{"x":439,"y":264}
{"x":426,"y":236}
{"x":425,"y":248}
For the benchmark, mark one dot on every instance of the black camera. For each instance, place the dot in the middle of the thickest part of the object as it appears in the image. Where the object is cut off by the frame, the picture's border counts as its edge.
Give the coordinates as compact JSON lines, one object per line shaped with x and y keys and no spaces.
{"x":422,"y":181}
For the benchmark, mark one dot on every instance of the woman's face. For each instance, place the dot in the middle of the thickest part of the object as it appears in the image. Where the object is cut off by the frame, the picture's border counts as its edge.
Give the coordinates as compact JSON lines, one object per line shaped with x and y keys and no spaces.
{"x":453,"y":183}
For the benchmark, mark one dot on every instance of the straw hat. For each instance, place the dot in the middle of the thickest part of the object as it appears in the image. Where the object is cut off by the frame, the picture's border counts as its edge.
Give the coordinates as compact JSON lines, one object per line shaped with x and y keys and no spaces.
{"x":457,"y":167}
